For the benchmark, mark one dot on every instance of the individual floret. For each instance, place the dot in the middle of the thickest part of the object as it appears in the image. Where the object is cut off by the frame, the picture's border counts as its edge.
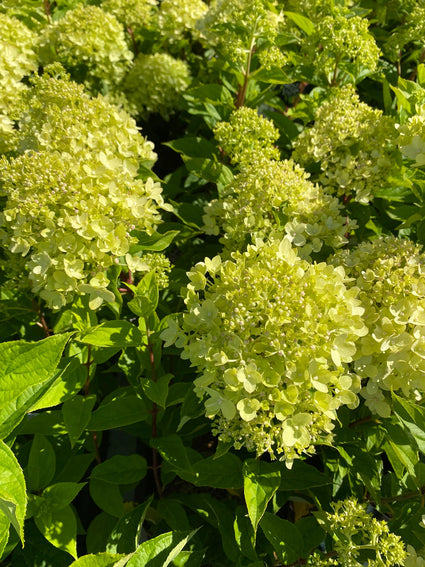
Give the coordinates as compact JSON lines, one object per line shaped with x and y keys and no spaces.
{"x":155,"y":84}
{"x":391,"y":276}
{"x":91,"y":45}
{"x":354,"y":144}
{"x":271,"y":336}
{"x":275,"y":198}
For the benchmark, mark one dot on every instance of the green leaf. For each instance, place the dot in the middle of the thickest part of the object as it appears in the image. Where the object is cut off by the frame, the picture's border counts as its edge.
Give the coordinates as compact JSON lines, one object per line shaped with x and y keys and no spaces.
{"x":302,"y":476}
{"x":157,"y":391}
{"x":153,"y":242}
{"x":210,"y":170}
{"x":399,"y":450}
{"x":107,"y":496}
{"x":98,"y":560}
{"x":67,"y":383}
{"x":125,"y":535}
{"x":4,"y":534}
{"x":146,"y":296}
{"x":301,"y":21}
{"x":161,"y":550}
{"x":118,"y":334}
{"x":118,"y":412}
{"x":412,"y":417}
{"x":244,"y":534}
{"x":61,"y":494}
{"x":59,"y":527}
{"x":41,"y":463}
{"x":223,"y":472}
{"x":27,"y":370}
{"x":13,"y":498}
{"x":261,"y":480}
{"x":311,"y":532}
{"x":76,"y":415}
{"x":284,"y":536}
{"x":192,"y":147}
{"x":121,"y":469}
{"x":180,"y":458}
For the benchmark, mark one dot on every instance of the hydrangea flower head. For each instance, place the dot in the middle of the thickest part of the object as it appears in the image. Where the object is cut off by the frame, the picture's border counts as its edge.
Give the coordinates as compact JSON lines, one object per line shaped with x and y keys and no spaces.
{"x":73,"y":196}
{"x":271,"y":335}
{"x":275,"y":198}
{"x":155,"y":84}
{"x":178,"y":18}
{"x":90,"y":43}
{"x":391,"y":276}
{"x":354,"y":143}
{"x":131,"y":13}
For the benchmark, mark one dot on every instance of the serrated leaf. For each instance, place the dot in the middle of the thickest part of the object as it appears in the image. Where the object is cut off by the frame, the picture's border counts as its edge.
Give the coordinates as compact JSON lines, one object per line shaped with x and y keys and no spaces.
{"x":284,"y":536}
{"x":192,"y":147}
{"x":13,"y":497}
{"x":119,"y":334}
{"x":261,"y":480}
{"x":59,"y":527}
{"x":76,"y":415}
{"x":121,"y":469}
{"x":41,"y":463}
{"x":27,"y":370}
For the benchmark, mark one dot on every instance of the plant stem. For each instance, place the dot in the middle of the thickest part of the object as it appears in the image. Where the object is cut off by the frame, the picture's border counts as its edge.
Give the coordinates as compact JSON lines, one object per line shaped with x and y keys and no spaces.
{"x":47,"y":10}
{"x":133,"y":41}
{"x":240,"y":99}
{"x":41,"y":320}
{"x":155,"y":462}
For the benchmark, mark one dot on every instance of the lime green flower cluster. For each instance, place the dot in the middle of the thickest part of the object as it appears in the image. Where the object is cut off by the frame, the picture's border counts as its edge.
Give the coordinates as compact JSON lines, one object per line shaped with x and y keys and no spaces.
{"x":73,"y":197}
{"x":354,"y":143}
{"x":390,"y":274}
{"x":273,"y":198}
{"x":271,"y":335}
{"x":177,"y":18}
{"x":151,"y":261}
{"x":91,"y":45}
{"x":17,"y":60}
{"x":341,"y":42}
{"x":155,"y":84}
{"x":258,"y":23}
{"x":247,"y":136}
{"x":411,"y":140}
{"x":357,"y":535}
{"x":131,"y":14}
{"x":412,"y":28}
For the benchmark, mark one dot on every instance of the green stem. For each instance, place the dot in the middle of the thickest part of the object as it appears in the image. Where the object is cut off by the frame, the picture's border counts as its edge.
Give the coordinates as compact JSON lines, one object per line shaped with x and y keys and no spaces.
{"x":240,"y":99}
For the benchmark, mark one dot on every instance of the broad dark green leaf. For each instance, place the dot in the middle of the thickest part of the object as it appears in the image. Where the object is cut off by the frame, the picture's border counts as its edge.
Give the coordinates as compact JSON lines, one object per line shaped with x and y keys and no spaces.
{"x":224,"y":472}
{"x":121,"y":469}
{"x":146,"y":296}
{"x":192,"y":147}
{"x":412,"y":417}
{"x":284,"y":536}
{"x":260,"y":480}
{"x":61,"y":494}
{"x":302,"y":476}
{"x":107,"y":496}
{"x":119,"y":412}
{"x":157,"y":391}
{"x":41,"y":463}
{"x":76,"y":415}
{"x":400,"y":452}
{"x":301,"y":21}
